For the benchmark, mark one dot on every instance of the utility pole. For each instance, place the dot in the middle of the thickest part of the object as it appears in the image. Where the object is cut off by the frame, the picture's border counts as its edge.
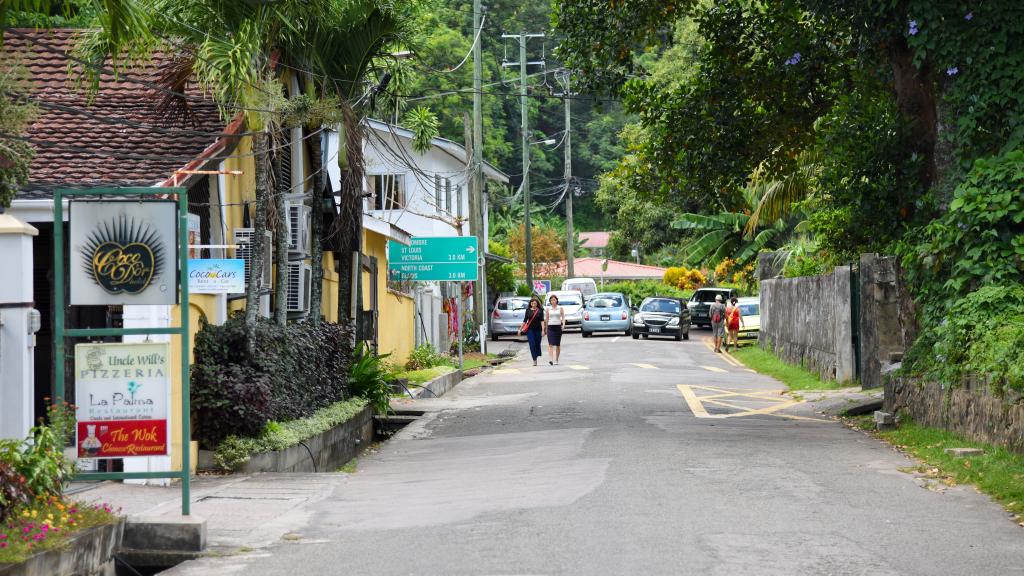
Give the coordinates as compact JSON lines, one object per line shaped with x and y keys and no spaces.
{"x":525,"y":129}
{"x":476,"y":188}
{"x":570,"y":256}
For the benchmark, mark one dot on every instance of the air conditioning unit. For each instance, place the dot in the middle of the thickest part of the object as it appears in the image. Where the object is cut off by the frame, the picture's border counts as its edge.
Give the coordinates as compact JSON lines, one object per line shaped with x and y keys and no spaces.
{"x":243,"y":239}
{"x":298,"y":227}
{"x":300,"y":285}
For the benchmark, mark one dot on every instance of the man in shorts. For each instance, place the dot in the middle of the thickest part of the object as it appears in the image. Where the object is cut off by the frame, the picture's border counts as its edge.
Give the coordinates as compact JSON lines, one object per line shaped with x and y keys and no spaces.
{"x":717,"y":315}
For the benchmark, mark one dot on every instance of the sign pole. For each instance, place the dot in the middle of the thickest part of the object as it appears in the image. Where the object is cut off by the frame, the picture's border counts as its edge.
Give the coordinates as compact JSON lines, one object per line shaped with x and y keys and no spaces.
{"x":459,"y":285}
{"x":186,"y":416}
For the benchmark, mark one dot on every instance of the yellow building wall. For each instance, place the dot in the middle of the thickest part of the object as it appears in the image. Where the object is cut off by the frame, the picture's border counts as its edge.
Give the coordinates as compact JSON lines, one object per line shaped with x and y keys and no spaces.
{"x":395,"y":310}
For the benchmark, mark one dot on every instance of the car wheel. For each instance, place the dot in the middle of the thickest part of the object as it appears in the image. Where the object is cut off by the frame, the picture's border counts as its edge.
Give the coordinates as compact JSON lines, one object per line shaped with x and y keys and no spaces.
{"x":636,"y":336}
{"x":679,"y":337}
{"x":628,"y":332}
{"x":586,"y":334}
{"x":686,"y":335}
{"x":645,"y":336}
{"x":494,"y":336}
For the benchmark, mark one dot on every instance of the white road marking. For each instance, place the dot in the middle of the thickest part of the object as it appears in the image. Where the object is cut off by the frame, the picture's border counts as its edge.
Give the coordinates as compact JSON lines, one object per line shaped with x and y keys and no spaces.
{"x":616,"y":339}
{"x":645,"y":366}
{"x":578,"y":367}
{"x":507,"y":371}
{"x":713,"y":369}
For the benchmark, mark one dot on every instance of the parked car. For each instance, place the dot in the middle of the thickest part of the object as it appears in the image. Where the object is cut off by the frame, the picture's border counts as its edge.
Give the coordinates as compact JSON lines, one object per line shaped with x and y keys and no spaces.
{"x":572,"y":301}
{"x":700,"y":303}
{"x":661,"y":316}
{"x":606,"y":312}
{"x":507,"y":316}
{"x":585,"y":286}
{"x":750,"y":308}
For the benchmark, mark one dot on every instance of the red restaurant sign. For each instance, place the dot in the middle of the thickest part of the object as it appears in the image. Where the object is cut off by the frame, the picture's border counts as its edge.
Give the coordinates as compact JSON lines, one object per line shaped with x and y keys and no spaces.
{"x":121,"y":392}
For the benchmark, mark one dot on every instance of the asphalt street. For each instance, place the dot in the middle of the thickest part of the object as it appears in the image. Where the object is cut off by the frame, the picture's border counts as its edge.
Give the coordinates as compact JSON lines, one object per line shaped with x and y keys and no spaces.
{"x":634,"y":457}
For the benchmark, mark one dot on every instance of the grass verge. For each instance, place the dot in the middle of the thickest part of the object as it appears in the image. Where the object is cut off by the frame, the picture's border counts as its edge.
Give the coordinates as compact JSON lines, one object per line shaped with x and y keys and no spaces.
{"x":796,"y":377}
{"x":998,"y":472}
{"x":424,"y":375}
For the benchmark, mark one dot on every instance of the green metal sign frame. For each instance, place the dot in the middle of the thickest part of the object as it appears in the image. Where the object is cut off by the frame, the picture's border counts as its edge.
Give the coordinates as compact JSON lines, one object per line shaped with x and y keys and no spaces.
{"x":61,"y":332}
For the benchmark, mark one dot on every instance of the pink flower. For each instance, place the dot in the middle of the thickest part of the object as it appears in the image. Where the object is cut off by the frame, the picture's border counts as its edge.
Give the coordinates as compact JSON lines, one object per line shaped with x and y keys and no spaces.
{"x":3,"y":544}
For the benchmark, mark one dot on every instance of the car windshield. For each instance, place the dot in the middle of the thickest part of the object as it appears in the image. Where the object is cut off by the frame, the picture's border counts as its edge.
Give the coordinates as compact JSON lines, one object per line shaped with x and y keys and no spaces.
{"x":605,"y":302}
{"x":568,"y":301}
{"x":519,"y":304}
{"x":750,"y":309}
{"x":705,"y":295}
{"x":661,"y":305}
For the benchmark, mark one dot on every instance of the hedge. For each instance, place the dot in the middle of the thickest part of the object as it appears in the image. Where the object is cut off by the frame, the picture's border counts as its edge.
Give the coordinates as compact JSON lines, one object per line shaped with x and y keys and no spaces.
{"x":296,"y":370}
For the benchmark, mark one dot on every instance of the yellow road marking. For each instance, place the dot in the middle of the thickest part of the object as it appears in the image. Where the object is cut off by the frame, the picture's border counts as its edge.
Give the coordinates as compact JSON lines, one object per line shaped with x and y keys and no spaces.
{"x":697,"y":402}
{"x":578,"y":367}
{"x":714,"y":369}
{"x":507,"y":371}
{"x":647,"y":366}
{"x":732,"y":359}
{"x":695,"y":405}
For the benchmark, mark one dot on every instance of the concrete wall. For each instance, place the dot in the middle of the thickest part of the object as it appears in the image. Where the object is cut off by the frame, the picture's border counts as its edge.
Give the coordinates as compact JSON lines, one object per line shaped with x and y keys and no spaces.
{"x":881,"y":331}
{"x":807,"y":321}
{"x":88,"y":553}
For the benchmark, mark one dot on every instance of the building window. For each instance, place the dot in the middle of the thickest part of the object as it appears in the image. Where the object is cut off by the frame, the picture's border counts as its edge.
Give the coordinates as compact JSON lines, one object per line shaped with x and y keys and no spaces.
{"x":388,"y":192}
{"x":458,"y":200}
{"x":448,"y":195}
{"x":437,"y":190}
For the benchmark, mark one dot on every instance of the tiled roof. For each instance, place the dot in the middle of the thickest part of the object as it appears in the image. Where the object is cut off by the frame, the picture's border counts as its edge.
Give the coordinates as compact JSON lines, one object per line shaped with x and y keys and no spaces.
{"x":594,"y":239}
{"x":591,"y":268}
{"x":120,"y":137}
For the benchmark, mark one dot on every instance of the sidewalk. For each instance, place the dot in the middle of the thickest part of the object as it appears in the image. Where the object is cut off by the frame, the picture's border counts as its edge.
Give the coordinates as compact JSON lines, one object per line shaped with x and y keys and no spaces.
{"x":241,"y":510}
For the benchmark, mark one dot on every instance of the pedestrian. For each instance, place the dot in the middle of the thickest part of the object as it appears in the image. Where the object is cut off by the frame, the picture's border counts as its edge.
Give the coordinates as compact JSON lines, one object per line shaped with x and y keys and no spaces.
{"x":717,"y":315}
{"x":554,"y":321}
{"x":533,"y":325}
{"x":733,"y":320}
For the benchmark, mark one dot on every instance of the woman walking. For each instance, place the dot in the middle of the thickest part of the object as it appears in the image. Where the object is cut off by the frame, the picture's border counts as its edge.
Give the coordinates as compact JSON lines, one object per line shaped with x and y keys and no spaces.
{"x":554,"y":320}
{"x":533,"y":325}
{"x":733,"y":319}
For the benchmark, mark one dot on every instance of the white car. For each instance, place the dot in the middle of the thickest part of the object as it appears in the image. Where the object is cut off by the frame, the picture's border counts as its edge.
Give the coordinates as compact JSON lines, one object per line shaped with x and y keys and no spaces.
{"x":585,"y":286}
{"x":572,"y":301}
{"x":750,"y":309}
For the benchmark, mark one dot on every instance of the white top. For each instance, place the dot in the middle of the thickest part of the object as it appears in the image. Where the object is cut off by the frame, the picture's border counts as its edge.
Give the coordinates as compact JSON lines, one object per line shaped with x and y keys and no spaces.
{"x":561,"y":315}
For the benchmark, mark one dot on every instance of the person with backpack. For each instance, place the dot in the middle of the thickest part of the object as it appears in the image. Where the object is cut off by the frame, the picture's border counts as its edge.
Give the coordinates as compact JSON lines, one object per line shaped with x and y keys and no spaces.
{"x":733,"y":320}
{"x":533,"y":325}
{"x":717,"y":315}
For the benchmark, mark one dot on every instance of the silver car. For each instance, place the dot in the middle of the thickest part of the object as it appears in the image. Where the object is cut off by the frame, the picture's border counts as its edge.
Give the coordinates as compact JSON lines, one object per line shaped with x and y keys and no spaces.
{"x":572,"y":301}
{"x":507,"y":316}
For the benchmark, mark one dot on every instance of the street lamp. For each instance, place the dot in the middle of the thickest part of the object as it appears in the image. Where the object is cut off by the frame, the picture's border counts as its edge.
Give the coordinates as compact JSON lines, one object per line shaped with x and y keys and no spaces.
{"x":526,"y":204}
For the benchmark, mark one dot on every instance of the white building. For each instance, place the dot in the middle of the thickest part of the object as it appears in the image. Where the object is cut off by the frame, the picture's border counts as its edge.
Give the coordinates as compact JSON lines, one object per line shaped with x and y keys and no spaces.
{"x":426,"y":195}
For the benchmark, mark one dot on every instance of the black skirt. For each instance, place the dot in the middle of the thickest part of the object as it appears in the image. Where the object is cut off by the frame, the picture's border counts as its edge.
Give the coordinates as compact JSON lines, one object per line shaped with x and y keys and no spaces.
{"x":555,"y":335}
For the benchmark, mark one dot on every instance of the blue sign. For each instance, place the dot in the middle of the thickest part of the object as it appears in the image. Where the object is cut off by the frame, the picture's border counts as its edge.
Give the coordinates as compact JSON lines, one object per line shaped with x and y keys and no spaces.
{"x":541,"y":286}
{"x":216,"y":276}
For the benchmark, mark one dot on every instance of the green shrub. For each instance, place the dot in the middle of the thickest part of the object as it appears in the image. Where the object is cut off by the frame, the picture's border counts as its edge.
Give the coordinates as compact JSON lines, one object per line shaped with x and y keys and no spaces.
{"x":32,"y":468}
{"x":981,"y":336}
{"x":978,"y":241}
{"x":368,"y":378}
{"x":295,"y":370}
{"x":424,"y":356}
{"x":524,"y":290}
{"x":235,"y":451}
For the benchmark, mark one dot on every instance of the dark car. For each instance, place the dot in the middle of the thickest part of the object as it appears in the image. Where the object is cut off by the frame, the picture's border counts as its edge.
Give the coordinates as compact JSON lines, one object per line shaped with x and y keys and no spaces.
{"x":700,"y":303}
{"x":661,"y":316}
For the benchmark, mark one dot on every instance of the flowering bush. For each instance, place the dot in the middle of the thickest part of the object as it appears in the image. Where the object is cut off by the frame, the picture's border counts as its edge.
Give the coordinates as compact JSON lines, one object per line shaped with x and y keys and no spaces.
{"x":684,"y":278}
{"x":45,"y":522}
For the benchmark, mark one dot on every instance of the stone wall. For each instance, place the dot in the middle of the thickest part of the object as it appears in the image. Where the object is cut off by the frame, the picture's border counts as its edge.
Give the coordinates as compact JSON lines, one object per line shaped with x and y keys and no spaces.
{"x":970,"y":410}
{"x":881,"y":329}
{"x":806,"y":321}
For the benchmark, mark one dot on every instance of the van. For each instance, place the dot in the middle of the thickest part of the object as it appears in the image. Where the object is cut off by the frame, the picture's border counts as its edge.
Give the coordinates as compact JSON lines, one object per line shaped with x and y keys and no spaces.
{"x":585,"y":286}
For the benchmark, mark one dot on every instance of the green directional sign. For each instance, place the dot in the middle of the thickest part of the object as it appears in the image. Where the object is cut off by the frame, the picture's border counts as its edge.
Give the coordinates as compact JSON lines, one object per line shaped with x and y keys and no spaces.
{"x":452,"y":258}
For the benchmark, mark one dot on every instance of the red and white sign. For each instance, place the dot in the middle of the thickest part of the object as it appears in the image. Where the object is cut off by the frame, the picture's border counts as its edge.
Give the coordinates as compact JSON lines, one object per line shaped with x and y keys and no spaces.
{"x":121,"y":393}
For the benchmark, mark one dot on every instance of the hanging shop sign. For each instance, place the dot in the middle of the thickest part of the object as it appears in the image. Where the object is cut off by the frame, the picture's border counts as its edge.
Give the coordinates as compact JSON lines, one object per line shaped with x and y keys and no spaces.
{"x":216,"y":276}
{"x":121,"y":398}
{"x":123,"y":252}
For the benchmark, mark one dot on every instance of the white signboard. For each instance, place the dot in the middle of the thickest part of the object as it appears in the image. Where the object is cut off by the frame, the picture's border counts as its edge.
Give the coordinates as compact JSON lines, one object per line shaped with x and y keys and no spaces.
{"x":216,"y":276}
{"x":121,"y":398}
{"x":123,"y":252}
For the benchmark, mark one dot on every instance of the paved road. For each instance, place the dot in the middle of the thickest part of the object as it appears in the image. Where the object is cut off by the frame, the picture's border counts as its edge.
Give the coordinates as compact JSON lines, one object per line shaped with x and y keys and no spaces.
{"x":635,"y":457}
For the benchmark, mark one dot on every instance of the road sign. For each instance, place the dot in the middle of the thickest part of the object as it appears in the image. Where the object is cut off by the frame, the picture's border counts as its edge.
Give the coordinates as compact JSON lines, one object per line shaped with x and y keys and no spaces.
{"x":451,"y":258}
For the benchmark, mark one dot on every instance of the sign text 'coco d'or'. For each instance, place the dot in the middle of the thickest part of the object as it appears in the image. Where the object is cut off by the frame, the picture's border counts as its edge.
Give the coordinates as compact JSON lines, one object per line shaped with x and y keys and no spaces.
{"x":121,"y":397}
{"x":123,"y":252}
